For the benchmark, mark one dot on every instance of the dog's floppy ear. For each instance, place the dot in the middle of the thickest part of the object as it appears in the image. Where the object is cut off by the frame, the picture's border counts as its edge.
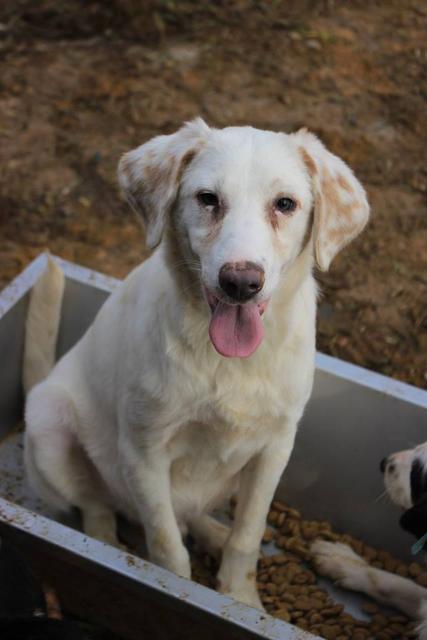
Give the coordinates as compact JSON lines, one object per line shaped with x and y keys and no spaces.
{"x":150,"y":174}
{"x":414,"y":519}
{"x":341,"y":209}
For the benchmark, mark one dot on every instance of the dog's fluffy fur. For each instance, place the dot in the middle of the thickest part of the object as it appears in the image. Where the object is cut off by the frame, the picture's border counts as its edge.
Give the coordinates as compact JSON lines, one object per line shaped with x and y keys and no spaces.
{"x":405,"y":479}
{"x":143,"y":416}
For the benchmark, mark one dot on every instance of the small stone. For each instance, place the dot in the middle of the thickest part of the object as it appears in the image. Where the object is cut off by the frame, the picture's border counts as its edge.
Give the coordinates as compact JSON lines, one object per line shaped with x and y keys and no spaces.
{"x":313,"y":44}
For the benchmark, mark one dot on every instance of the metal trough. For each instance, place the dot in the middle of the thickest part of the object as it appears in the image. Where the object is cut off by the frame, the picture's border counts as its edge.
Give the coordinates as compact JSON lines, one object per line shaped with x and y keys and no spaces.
{"x":354,"y":418}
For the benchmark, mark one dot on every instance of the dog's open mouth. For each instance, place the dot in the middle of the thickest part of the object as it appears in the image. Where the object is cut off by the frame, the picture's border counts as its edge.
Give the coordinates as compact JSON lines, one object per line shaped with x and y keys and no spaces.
{"x":236,"y":330}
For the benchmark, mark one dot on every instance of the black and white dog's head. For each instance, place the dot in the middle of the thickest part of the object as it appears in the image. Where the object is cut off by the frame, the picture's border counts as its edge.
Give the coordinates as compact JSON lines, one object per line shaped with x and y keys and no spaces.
{"x":405,"y":480}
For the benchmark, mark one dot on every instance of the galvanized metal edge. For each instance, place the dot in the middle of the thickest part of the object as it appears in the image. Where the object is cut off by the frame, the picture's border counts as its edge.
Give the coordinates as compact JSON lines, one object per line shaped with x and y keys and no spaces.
{"x":371,"y":379}
{"x":87,"y":276}
{"x":21,"y":284}
{"x":27,"y":278}
{"x":150,"y":575}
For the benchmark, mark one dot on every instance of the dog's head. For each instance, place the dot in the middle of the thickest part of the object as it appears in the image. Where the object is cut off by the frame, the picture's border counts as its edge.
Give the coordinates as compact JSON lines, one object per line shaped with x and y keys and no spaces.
{"x":405,"y":479}
{"x":238,"y":206}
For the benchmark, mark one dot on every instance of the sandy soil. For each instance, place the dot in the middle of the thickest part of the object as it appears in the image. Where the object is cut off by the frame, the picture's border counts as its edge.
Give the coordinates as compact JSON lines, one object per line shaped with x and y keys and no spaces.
{"x":81,"y":82}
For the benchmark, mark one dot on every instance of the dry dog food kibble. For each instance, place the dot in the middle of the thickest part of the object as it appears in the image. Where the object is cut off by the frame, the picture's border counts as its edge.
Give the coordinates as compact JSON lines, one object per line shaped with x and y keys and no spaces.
{"x":288,"y":586}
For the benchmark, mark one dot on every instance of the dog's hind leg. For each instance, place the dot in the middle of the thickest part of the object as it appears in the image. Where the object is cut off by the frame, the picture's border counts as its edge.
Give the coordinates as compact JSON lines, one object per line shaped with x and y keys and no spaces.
{"x":57,"y":465}
{"x":210,"y":534}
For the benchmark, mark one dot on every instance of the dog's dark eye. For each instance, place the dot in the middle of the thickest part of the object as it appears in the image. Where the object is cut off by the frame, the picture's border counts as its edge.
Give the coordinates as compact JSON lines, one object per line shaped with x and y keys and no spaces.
{"x":208,"y":199}
{"x":285,"y":205}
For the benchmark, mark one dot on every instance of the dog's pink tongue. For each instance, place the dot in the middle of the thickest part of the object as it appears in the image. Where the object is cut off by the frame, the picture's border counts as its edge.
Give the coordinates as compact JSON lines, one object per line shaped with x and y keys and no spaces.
{"x":236,"y":330}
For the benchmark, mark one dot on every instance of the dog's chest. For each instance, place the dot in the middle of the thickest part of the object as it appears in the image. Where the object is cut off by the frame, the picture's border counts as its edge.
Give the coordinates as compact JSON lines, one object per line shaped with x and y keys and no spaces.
{"x":216,"y":414}
{"x":212,"y":414}
{"x":203,"y":387}
{"x":205,"y":450}
{"x":205,"y":462}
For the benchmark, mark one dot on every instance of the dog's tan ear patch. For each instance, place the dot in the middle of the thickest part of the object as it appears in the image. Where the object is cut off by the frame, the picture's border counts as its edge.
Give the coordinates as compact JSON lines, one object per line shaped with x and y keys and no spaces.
{"x":185,"y":161}
{"x":151,"y":174}
{"x":308,"y":161}
{"x":145,"y":186}
{"x":341,"y":209}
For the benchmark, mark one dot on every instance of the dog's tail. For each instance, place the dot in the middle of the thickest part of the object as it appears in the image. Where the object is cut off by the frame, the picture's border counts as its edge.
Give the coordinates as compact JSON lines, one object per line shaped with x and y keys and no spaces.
{"x":41,"y":331}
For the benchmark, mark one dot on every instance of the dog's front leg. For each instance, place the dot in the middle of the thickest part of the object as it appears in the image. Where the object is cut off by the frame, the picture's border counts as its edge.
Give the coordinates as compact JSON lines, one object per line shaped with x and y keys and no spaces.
{"x":259,"y":479}
{"x":148,"y":477}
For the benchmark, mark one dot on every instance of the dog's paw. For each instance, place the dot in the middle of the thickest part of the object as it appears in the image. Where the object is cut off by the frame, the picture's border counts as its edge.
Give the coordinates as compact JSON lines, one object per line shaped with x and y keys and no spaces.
{"x":248,"y":596}
{"x":337,"y":561}
{"x":178,"y":562}
{"x":252,"y":599}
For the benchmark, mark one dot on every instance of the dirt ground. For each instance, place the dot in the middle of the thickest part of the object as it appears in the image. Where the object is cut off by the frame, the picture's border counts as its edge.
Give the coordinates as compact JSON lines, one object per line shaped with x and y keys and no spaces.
{"x":83,"y":81}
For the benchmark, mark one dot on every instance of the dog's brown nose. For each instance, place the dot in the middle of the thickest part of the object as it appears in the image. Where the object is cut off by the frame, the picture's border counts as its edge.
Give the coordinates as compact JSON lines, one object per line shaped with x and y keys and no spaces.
{"x":241,"y":281}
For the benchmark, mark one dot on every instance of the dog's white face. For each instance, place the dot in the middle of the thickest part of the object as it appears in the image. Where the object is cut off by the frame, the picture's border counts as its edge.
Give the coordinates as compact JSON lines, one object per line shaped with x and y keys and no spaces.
{"x":405,"y":476}
{"x":246,"y":198}
{"x":240,"y":201}
{"x":405,"y":479}
{"x":245,"y":203}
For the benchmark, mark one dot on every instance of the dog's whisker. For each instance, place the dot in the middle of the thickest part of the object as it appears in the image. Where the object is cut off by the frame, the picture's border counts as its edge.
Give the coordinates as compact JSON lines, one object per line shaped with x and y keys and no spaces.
{"x":381,"y":496}
{"x":187,"y":263}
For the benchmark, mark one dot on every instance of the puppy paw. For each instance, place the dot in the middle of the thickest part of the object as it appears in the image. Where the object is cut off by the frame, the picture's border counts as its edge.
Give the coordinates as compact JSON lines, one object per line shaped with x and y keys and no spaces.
{"x":337,"y":561}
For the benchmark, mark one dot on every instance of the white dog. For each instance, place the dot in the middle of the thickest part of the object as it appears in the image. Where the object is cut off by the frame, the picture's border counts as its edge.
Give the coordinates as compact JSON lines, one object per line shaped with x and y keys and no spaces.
{"x":405,"y":479}
{"x":191,"y":381}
